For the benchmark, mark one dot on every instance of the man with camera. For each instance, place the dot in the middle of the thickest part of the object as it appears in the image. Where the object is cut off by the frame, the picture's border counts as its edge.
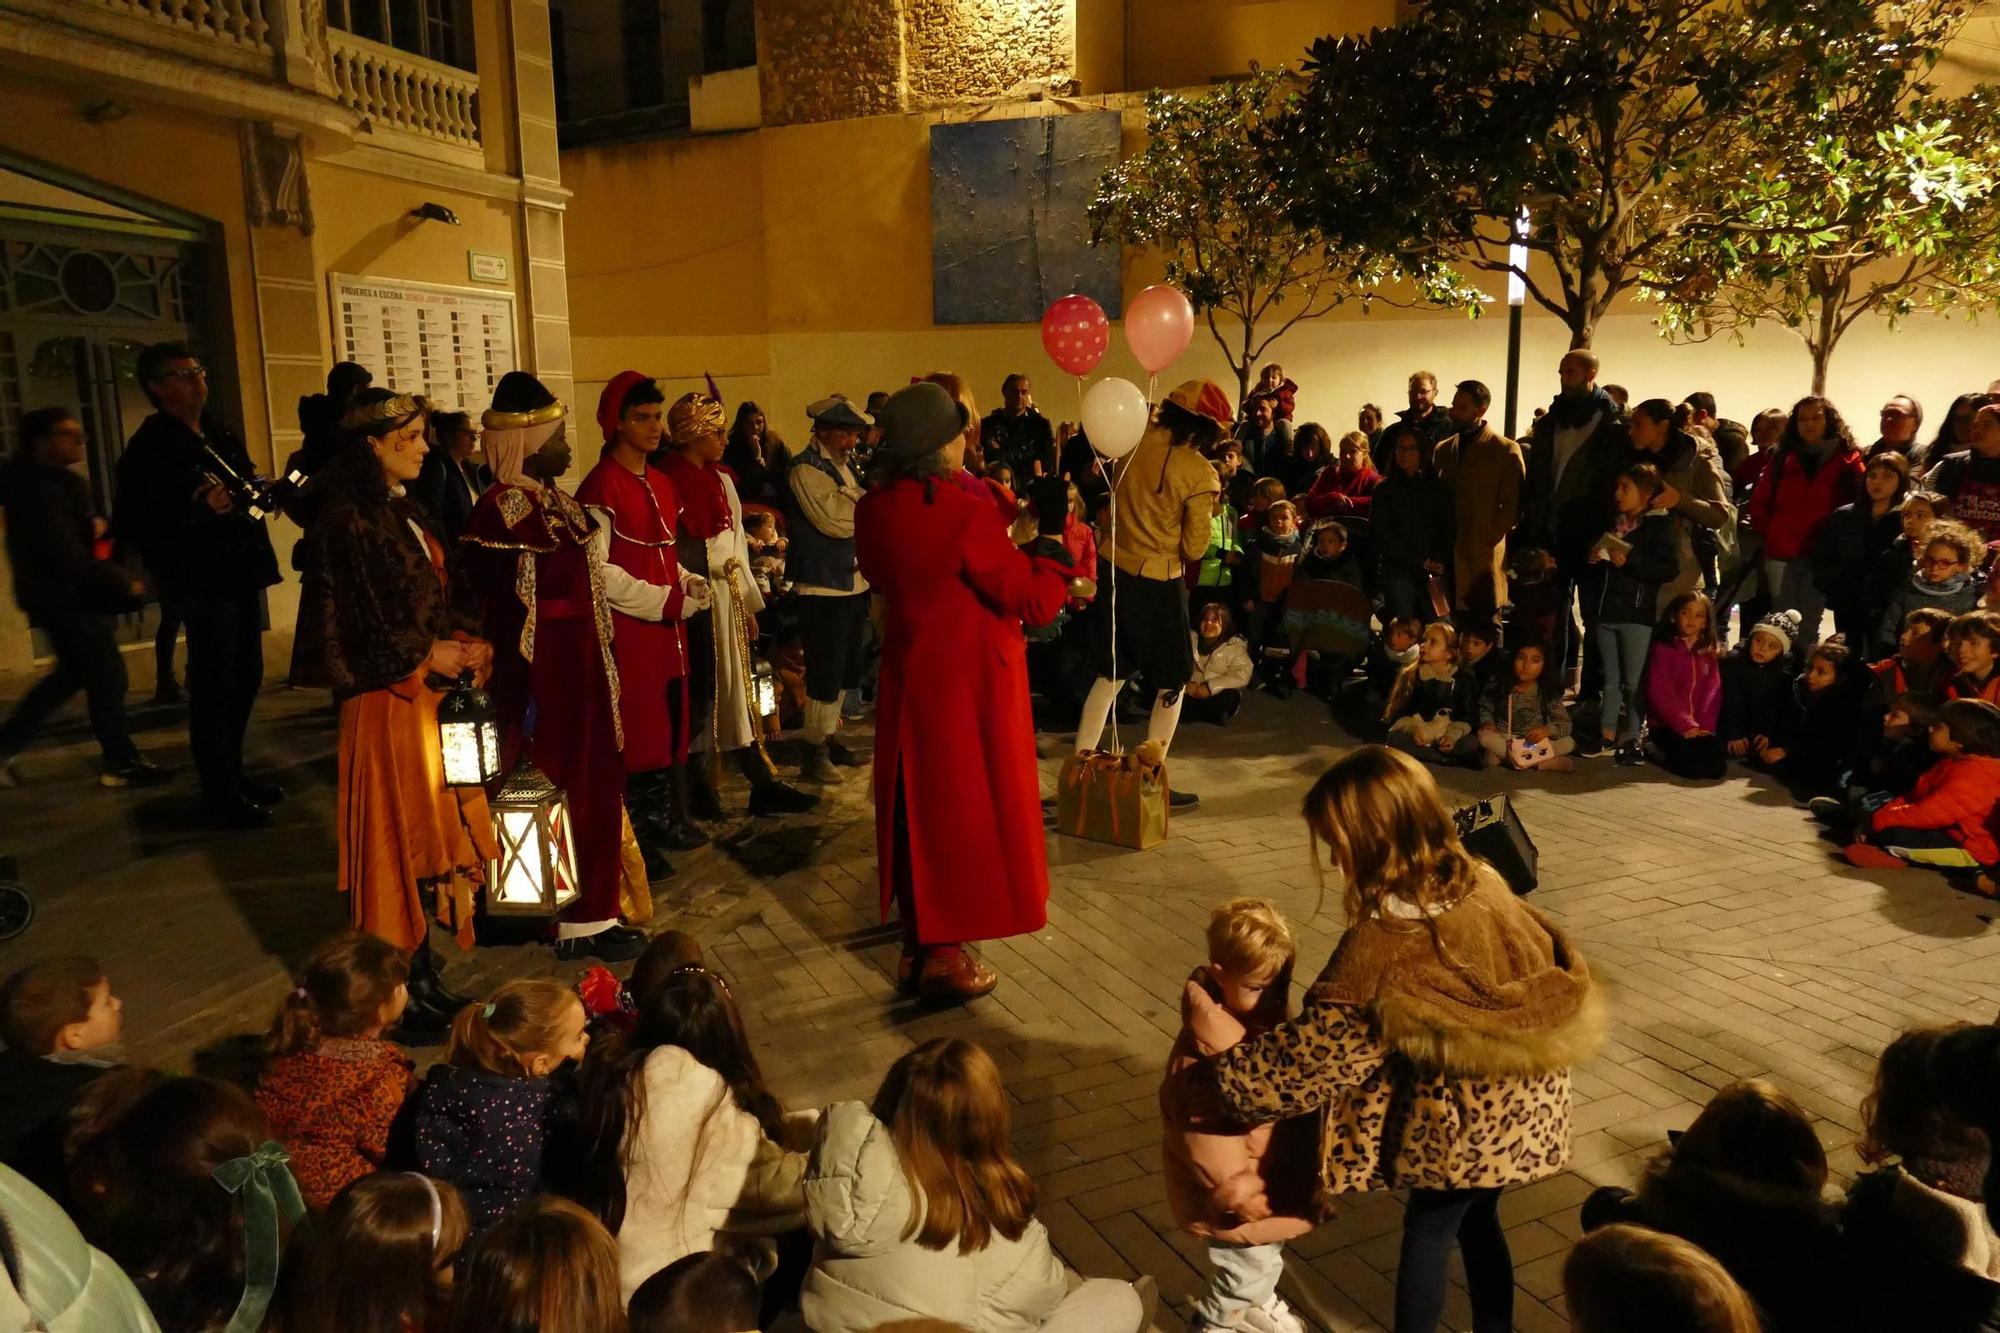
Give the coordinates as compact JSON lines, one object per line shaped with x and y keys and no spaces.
{"x":183,"y":504}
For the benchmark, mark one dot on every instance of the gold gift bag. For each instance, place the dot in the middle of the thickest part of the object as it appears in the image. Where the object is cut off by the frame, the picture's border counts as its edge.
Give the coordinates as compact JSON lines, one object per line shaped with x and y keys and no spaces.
{"x":1116,"y":798}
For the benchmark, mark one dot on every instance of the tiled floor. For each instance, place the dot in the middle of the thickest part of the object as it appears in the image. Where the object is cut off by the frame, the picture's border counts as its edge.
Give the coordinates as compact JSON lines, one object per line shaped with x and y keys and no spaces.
{"x":1730,"y":941}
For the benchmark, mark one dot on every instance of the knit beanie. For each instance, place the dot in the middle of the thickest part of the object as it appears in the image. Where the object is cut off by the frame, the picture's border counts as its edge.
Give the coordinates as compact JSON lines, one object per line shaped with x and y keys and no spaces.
{"x":1780,"y":625}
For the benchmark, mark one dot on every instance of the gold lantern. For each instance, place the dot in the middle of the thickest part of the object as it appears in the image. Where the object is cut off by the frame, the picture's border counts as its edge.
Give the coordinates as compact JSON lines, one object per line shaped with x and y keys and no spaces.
{"x":469,"y":735}
{"x":535,"y":873}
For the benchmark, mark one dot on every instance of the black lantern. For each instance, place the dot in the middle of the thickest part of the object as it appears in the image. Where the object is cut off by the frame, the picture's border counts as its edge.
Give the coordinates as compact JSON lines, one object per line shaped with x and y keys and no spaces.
{"x":469,"y":735}
{"x":535,"y":873}
{"x":763,"y":688}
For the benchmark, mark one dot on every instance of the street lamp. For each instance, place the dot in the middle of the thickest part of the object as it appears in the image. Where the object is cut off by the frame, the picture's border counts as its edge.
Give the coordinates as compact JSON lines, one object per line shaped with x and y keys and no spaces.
{"x":535,"y":873}
{"x":1517,"y":295}
{"x":469,"y":735}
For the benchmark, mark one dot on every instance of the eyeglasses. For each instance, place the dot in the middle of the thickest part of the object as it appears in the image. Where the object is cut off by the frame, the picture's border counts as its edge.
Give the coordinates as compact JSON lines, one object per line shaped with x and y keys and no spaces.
{"x":1939,"y":561}
{"x":188,"y":373}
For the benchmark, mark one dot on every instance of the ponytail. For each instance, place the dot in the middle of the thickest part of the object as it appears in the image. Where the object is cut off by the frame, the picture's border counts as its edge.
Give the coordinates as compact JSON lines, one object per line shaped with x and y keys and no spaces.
{"x":524,"y":1019}
{"x":296,"y":1027}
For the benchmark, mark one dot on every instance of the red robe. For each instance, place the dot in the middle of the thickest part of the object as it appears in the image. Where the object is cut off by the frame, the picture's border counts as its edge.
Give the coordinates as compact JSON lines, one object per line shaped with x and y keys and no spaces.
{"x":953,"y":727}
{"x":651,"y":654}
{"x":561,"y":664}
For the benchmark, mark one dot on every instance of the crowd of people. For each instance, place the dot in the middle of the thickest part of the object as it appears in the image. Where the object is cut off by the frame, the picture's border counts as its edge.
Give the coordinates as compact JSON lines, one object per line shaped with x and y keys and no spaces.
{"x":610,"y":1156}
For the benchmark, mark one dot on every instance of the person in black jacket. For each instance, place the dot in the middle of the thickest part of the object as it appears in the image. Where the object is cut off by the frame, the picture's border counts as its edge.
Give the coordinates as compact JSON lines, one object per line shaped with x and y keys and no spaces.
{"x":70,"y":594}
{"x":451,"y":483}
{"x":1410,"y":513}
{"x":1853,"y":546}
{"x":1760,"y":707}
{"x":1640,"y":554}
{"x":212,"y":558}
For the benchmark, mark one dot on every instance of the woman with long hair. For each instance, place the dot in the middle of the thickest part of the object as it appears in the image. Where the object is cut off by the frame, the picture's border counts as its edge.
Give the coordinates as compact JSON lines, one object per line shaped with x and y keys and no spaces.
{"x":1438,"y":1038}
{"x":686,"y":1148}
{"x":391,"y":629}
{"x":1815,"y":470}
{"x":755,"y":456}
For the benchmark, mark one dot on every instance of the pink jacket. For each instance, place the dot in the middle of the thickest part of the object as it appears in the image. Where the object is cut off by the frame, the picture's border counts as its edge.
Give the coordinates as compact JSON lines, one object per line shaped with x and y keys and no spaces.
{"x":1683,"y":688}
{"x":1216,"y":1167}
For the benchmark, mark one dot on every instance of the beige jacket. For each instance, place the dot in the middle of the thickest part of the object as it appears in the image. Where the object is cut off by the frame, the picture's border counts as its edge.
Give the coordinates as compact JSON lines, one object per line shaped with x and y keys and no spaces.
{"x":700,"y":1173}
{"x":1165,"y":495}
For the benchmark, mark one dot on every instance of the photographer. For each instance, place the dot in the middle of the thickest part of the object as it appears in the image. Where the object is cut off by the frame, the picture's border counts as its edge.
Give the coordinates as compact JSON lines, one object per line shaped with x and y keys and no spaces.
{"x":69,"y":594}
{"x":205,"y":552}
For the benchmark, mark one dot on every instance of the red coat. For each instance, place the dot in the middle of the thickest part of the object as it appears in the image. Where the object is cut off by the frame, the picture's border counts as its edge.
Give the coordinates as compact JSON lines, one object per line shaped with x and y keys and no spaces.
{"x":1956,"y":794}
{"x":1788,"y":507}
{"x":952,"y":724}
{"x":651,"y":654}
{"x":1338,"y":491}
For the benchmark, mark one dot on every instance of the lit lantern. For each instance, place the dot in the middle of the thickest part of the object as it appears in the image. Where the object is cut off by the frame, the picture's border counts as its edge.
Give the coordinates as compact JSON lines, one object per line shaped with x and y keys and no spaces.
{"x":469,"y":733}
{"x":535,"y":873}
{"x":763,"y":687}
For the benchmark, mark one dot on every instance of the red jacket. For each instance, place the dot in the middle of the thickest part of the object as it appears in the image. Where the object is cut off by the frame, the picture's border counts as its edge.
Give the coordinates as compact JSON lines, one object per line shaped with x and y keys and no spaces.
{"x":1338,"y":491}
{"x":953,"y":732}
{"x":1956,"y":794}
{"x":1788,"y":507}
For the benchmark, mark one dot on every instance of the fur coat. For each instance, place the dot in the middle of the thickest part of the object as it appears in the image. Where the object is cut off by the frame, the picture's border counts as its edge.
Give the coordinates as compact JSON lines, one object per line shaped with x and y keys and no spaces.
{"x":1427,"y":1074}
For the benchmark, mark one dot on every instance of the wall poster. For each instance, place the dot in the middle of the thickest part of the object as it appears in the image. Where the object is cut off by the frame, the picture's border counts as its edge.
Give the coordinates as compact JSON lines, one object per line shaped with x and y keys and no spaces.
{"x":450,"y":344}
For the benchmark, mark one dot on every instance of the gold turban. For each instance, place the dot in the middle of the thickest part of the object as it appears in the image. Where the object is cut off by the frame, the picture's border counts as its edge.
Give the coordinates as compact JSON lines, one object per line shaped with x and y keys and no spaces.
{"x":694,"y":416}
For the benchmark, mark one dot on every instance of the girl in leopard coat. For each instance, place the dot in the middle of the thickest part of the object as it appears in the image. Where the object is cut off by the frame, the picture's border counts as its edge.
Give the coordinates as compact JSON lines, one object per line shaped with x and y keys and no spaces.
{"x":1437,"y":1041}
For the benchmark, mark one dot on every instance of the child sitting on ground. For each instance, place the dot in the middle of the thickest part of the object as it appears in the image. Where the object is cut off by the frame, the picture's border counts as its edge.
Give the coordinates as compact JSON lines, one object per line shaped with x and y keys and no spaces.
{"x":1524,"y":725}
{"x":1477,"y":638}
{"x":379,"y":1258}
{"x":1918,"y":665}
{"x":1630,"y":1279}
{"x":1942,"y":579}
{"x":767,"y":551}
{"x":1829,"y":694}
{"x":548,"y":1265}
{"x":483,"y":1116}
{"x":1759,"y":712}
{"x":1945,"y":821}
{"x":1243,"y":1190}
{"x":1639,"y":556}
{"x":1900,"y":755}
{"x":1221,"y":669}
{"x":698,"y":1293}
{"x":1684,"y":690}
{"x":1392,"y":650}
{"x":1973,"y":643}
{"x":1435,"y":702}
{"x":333,"y":1086}
{"x":918,"y":1209}
{"x":63,"y":1028}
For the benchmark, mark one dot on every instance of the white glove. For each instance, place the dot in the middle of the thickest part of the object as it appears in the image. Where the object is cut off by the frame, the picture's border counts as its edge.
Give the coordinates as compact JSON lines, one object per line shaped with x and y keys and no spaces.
{"x":697,"y":595}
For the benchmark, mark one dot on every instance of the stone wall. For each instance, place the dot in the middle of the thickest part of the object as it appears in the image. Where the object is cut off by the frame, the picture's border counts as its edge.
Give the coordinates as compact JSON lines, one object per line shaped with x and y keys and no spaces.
{"x":822,"y":60}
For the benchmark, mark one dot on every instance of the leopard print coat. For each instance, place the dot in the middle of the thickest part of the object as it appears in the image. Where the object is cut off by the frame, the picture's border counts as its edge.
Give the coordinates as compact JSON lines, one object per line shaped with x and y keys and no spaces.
{"x":1406,"y":1099}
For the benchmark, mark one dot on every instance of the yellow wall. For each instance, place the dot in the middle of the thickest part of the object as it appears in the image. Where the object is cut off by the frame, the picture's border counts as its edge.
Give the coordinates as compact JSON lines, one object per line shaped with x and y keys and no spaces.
{"x":1185,"y":43}
{"x":794,"y":262}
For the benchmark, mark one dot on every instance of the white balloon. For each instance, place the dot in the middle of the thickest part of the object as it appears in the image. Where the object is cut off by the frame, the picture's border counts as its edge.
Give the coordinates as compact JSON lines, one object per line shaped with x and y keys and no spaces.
{"x":1114,"y":416}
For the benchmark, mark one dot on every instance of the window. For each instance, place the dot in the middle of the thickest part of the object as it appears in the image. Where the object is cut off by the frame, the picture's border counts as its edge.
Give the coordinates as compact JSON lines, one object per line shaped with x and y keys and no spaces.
{"x":645,"y":61}
{"x":438,"y":30}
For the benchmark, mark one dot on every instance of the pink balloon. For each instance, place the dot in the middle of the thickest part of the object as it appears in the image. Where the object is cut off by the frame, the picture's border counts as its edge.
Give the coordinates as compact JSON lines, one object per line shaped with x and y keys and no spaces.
{"x":1076,"y":334}
{"x":1158,"y":326}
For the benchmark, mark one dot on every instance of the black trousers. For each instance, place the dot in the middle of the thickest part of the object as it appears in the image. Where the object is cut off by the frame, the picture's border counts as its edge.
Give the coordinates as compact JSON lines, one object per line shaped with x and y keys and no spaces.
{"x":1435,"y":1222}
{"x":87,"y":659}
{"x":830,"y":630}
{"x":1702,"y":757}
{"x":225,"y":669}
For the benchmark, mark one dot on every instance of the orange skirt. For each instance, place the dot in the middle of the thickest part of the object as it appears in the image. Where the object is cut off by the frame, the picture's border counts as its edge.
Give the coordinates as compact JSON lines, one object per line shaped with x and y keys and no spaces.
{"x":402,"y":832}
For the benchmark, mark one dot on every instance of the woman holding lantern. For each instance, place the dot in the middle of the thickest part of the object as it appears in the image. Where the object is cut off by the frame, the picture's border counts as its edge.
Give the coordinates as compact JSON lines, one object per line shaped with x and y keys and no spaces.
{"x":383,"y":624}
{"x":953,"y":703}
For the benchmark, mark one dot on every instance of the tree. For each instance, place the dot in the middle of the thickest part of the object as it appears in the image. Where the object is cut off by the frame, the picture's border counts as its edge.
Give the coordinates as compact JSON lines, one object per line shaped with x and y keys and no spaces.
{"x":1595,"y":117}
{"x":1879,"y":200}
{"x":1203,"y":193}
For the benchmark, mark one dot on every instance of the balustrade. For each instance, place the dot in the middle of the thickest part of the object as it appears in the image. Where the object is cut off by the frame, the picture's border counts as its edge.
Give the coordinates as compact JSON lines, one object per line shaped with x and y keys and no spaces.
{"x":237,"y":22}
{"x":401,"y":91}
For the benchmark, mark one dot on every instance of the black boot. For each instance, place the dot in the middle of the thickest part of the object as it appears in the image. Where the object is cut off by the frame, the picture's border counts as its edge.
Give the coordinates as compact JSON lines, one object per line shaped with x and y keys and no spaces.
{"x":677,"y":828}
{"x":431,"y":1005}
{"x":702,"y":802}
{"x":768,"y":796}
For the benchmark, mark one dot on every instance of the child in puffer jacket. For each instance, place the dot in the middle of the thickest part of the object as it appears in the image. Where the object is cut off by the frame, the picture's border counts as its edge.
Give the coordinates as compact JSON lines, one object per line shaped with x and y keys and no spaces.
{"x":1244,"y":1190}
{"x":1759,"y":712}
{"x":1945,"y":821}
{"x":919,"y":1212}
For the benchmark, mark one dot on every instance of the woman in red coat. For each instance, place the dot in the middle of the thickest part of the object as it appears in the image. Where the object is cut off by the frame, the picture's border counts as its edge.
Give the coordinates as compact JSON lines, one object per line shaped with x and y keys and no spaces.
{"x":958,"y":814}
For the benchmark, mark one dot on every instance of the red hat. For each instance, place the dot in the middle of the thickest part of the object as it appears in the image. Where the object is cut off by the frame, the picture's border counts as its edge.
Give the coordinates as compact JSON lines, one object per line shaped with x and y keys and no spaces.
{"x":611,"y":403}
{"x":1203,"y":398}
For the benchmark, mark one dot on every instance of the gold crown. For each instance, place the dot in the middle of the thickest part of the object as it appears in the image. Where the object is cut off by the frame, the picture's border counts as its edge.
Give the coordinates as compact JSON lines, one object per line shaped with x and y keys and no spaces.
{"x":401,"y":408}
{"x":493,"y":419}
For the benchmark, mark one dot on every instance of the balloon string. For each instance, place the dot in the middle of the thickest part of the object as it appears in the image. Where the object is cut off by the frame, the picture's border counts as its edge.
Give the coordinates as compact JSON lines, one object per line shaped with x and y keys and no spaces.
{"x":1111,"y":480}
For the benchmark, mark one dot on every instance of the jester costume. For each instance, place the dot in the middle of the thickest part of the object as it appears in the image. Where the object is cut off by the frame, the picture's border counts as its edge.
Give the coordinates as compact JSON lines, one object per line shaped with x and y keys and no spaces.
{"x":537,"y":560}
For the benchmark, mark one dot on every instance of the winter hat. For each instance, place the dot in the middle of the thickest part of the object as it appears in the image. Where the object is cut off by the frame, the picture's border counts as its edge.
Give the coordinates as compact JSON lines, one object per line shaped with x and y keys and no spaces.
{"x":919,"y":420}
{"x":1780,"y":625}
{"x":1204,"y":399}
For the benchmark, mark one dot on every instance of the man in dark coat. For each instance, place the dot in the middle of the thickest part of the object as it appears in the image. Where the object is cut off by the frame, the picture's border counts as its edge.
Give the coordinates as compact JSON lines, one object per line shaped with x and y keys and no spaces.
{"x":212,"y":558}
{"x":1575,"y":453}
{"x":69,"y":594}
{"x":1432,"y":423}
{"x":1017,"y":435}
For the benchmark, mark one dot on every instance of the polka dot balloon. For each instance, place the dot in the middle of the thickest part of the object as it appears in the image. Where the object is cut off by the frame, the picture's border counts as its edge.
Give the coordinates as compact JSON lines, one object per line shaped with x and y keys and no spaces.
{"x":1076,"y":334}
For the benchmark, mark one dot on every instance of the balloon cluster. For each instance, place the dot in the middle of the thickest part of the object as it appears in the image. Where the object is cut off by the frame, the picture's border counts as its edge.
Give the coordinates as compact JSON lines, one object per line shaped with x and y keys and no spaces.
{"x":1159,"y":323}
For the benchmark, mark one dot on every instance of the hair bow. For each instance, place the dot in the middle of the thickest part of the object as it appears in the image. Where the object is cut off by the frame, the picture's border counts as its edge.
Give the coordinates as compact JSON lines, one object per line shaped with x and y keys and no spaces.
{"x":263,"y":1181}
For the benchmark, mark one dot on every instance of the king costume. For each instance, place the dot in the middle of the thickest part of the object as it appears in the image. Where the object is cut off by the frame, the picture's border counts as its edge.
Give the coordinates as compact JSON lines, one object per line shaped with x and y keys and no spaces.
{"x":540,"y":564}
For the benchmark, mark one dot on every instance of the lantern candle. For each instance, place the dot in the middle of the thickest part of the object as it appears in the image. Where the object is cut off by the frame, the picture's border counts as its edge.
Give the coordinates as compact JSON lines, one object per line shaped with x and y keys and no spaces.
{"x":469,"y":735}
{"x":535,"y":873}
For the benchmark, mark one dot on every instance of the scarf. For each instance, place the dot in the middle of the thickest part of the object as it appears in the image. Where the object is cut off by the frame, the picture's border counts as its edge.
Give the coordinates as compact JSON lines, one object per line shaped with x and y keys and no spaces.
{"x":704,"y":504}
{"x":508,"y":451}
{"x":1572,"y":410}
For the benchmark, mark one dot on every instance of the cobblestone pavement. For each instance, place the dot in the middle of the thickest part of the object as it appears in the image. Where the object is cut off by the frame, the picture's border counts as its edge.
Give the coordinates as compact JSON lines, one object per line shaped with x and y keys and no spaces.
{"x":1731,"y":942}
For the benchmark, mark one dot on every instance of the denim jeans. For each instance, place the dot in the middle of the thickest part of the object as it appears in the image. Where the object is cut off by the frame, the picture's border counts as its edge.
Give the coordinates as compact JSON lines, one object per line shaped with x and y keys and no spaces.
{"x":1622,"y":649}
{"x":1246,"y":1277}
{"x":1435,"y":1223}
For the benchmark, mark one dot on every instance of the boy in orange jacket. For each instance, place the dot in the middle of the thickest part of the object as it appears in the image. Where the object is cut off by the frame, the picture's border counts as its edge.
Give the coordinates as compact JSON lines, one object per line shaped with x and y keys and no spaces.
{"x":1243,"y":1189}
{"x":1946,"y":820}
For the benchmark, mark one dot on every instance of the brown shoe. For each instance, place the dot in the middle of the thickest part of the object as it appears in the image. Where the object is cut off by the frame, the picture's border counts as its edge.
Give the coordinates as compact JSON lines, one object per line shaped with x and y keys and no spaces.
{"x":953,"y":978}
